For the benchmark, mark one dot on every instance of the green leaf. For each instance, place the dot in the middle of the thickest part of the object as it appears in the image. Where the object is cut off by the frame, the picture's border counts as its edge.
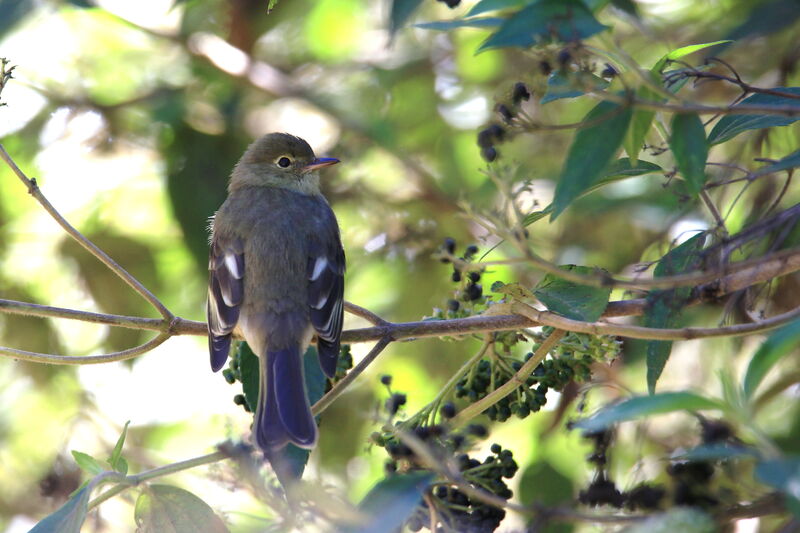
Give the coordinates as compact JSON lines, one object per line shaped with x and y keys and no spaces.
{"x":485,"y":6}
{"x":790,"y":161}
{"x":543,"y":22}
{"x":391,"y":501}
{"x":688,"y":144}
{"x":716,"y":452}
{"x":87,"y":463}
{"x":560,"y":86}
{"x":116,"y":462}
{"x":570,"y":299}
{"x":784,"y":475}
{"x":780,"y":343}
{"x":444,"y":25}
{"x":590,"y":152}
{"x":248,"y":366}
{"x":730,"y":126}
{"x":683,"y":51}
{"x":664,"y":306}
{"x":400,"y":13}
{"x":164,"y":508}
{"x":641,"y":406}
{"x":618,"y":170}
{"x":69,"y":517}
{"x":513,"y":290}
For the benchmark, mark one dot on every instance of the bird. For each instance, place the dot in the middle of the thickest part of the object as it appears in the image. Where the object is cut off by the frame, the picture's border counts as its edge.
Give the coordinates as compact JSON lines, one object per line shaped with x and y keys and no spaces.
{"x":276,"y":278}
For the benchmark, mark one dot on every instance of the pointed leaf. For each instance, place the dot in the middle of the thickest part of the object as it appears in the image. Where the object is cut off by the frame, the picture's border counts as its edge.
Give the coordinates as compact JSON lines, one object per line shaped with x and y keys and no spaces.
{"x":664,"y":306}
{"x":779,"y":344}
{"x":642,"y":406}
{"x":69,"y":517}
{"x":545,"y":21}
{"x":389,"y":503}
{"x":688,"y":144}
{"x":590,"y":152}
{"x":618,"y":170}
{"x":87,"y":463}
{"x":570,"y":299}
{"x":168,"y":509}
{"x":115,"y":461}
{"x":484,"y":6}
{"x":730,"y":126}
{"x":400,"y":13}
{"x":681,"y":52}
{"x":790,"y":161}
{"x":445,"y":25}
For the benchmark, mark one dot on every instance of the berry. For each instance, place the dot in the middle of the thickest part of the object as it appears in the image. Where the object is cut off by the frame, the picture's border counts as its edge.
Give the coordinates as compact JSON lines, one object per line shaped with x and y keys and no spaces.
{"x":394,"y":402}
{"x":453,"y":305}
{"x":386,"y":379}
{"x":564,"y":57}
{"x":504,"y":112}
{"x":475,"y":277}
{"x":609,"y":71}
{"x":450,"y":245}
{"x":474,"y":291}
{"x":456,"y":277}
{"x":470,"y":251}
{"x":477,"y":430}
{"x":520,"y":93}
{"x":496,"y":449}
{"x":545,"y":68}
{"x":448,"y":410}
{"x":239,"y":399}
{"x":489,"y":154}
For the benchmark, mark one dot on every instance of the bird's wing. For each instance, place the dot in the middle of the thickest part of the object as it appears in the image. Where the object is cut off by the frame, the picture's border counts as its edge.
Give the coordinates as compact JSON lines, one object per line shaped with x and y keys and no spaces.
{"x":225,"y":292}
{"x":325,"y":273}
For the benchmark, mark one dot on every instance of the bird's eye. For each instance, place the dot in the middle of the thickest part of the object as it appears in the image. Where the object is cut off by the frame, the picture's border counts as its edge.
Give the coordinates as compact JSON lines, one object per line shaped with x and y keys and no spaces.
{"x":284,"y":162}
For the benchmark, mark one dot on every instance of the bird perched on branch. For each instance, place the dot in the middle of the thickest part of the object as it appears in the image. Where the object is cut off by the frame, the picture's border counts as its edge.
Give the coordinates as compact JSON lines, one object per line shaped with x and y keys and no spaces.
{"x":276,"y":276}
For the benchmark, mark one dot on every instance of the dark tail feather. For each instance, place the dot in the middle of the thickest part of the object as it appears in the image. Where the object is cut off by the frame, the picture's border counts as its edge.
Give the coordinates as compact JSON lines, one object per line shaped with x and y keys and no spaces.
{"x":283,"y":414}
{"x":328,"y":353}
{"x":218,"y":347}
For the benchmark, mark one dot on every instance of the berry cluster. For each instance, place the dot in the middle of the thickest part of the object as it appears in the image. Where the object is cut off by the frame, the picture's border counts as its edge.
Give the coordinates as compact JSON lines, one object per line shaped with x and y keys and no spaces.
{"x":691,"y":480}
{"x":555,"y":374}
{"x":455,"y":509}
{"x":493,"y":133}
{"x":470,"y":291}
{"x":343,"y":365}
{"x":233,"y":373}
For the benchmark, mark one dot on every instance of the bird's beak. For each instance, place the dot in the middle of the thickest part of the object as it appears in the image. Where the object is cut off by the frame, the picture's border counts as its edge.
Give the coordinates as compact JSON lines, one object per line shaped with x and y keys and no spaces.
{"x":320,"y":162}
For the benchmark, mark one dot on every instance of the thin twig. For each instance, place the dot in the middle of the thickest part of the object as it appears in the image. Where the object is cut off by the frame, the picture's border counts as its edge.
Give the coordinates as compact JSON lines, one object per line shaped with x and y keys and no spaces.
{"x":136,"y":285}
{"x":345,"y":382}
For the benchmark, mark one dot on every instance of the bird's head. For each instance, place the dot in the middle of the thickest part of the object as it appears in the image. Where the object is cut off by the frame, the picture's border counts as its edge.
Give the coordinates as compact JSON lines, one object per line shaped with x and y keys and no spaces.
{"x":280,"y":160}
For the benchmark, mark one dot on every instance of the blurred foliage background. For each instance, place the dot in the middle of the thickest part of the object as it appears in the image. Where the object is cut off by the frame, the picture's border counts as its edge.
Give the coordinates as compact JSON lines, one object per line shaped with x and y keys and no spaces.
{"x":131,"y":115}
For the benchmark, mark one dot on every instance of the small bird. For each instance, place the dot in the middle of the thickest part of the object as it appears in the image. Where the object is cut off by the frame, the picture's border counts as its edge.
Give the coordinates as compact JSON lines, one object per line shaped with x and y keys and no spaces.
{"x":276,"y":277}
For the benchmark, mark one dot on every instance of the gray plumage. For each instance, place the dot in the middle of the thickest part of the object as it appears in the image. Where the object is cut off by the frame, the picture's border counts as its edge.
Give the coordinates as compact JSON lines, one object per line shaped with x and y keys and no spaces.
{"x":276,"y":275}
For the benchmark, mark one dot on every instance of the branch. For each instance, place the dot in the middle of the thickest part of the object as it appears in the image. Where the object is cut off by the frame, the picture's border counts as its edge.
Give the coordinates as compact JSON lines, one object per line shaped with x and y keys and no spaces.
{"x":33,"y":190}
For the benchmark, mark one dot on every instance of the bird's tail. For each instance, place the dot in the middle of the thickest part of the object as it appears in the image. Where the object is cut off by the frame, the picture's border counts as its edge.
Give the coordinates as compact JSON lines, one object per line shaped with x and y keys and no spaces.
{"x":283,"y":414}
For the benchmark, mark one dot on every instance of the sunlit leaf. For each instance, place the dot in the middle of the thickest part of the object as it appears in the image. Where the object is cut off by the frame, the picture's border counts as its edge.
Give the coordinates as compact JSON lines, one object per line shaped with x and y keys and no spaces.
{"x":591,"y":150}
{"x":400,"y":13}
{"x":560,"y":86}
{"x":544,"y":21}
{"x":570,"y":299}
{"x":69,"y":517}
{"x":784,"y":475}
{"x":779,"y":344}
{"x":785,"y":163}
{"x":664,"y":306}
{"x":116,"y":460}
{"x":168,"y":509}
{"x":682,"y":52}
{"x":485,"y":6}
{"x":688,"y":144}
{"x":641,"y":406}
{"x":730,"y":126}
{"x":389,"y":503}
{"x":87,"y":463}
{"x":444,"y":25}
